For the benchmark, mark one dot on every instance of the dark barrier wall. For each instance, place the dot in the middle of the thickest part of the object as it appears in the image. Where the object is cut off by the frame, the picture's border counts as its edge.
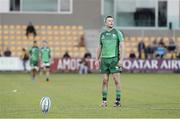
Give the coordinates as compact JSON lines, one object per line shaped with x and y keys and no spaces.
{"x":150,"y":65}
{"x":73,"y":64}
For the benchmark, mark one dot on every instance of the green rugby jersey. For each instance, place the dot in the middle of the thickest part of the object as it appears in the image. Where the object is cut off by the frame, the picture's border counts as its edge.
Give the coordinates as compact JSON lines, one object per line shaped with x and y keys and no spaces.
{"x":45,"y":54}
{"x":34,"y":53}
{"x":109,"y":42}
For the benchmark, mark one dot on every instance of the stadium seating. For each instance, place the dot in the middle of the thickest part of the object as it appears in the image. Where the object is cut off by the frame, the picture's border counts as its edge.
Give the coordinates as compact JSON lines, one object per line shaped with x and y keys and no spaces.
{"x":61,"y":38}
{"x":132,"y":42}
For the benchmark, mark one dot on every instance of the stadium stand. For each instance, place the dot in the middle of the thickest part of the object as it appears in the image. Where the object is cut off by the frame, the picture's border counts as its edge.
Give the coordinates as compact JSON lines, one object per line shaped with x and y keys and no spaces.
{"x":132,"y":42}
{"x":61,"y":38}
{"x":64,"y":38}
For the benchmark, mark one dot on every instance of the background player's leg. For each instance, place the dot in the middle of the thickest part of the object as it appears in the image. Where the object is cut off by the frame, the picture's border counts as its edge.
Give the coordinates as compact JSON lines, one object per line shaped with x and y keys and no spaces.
{"x":116,"y":78}
{"x":47,"y":74}
{"x":41,"y":70}
{"x":33,"y":73}
{"x":105,"y":89}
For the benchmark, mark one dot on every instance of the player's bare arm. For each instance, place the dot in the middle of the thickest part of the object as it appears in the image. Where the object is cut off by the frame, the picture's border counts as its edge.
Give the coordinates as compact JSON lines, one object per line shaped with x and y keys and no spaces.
{"x":98,"y":53}
{"x":121,"y":52}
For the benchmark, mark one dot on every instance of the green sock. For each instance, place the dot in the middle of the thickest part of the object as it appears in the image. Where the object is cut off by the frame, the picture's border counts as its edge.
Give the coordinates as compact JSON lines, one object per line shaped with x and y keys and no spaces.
{"x":47,"y":77}
{"x":104,"y":95}
{"x":118,"y":95}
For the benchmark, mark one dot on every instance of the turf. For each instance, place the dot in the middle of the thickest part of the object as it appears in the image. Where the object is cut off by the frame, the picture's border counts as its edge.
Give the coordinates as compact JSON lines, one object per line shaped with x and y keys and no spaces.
{"x":79,"y":96}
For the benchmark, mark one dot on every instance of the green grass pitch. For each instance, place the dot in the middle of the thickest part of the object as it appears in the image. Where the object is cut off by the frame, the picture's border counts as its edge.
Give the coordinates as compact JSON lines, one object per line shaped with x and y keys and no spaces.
{"x":79,"y":96}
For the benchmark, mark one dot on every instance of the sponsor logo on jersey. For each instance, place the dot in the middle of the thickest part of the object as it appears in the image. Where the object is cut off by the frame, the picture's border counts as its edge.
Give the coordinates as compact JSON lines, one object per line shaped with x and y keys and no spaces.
{"x":102,"y":37}
{"x":108,"y":33}
{"x":114,"y":35}
{"x":117,"y":67}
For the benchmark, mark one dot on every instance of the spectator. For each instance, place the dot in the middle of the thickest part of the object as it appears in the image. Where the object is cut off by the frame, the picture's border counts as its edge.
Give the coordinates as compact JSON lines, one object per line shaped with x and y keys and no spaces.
{"x":82,"y":41}
{"x":7,"y":52}
{"x":172,"y":46}
{"x":154,"y":46}
{"x":141,"y":48}
{"x":30,"y":30}
{"x":177,"y":52}
{"x":83,"y":67}
{"x":161,"y":51}
{"x":84,"y":64}
{"x":87,"y":55}
{"x":161,"y":42}
{"x":149,"y":52}
{"x":174,"y":55}
{"x":66,"y":55}
{"x":25,"y":58}
{"x":178,"y":55}
{"x":132,"y":55}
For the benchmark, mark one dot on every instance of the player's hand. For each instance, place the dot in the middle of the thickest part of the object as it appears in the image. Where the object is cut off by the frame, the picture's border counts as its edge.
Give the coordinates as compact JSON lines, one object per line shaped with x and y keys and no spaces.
{"x":120,"y":63}
{"x":97,"y":63}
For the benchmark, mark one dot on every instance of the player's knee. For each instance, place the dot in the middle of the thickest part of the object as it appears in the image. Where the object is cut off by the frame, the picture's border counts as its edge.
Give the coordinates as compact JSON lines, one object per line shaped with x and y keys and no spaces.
{"x":116,"y":82}
{"x":105,"y":81}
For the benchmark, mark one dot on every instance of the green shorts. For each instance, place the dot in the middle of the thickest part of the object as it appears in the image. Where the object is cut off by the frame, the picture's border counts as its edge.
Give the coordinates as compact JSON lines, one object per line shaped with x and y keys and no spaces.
{"x":33,"y":63}
{"x":45,"y":64}
{"x":109,"y":65}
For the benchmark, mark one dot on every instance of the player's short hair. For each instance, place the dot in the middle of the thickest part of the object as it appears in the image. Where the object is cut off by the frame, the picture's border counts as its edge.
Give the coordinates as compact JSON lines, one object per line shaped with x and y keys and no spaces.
{"x":107,"y":18}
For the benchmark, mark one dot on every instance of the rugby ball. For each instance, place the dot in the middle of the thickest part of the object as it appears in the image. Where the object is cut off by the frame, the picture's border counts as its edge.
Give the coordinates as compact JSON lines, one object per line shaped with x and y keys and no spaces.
{"x":45,"y":104}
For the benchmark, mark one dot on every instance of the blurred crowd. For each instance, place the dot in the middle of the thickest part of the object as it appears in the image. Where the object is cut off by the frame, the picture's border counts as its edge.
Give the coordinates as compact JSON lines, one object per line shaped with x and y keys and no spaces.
{"x":156,"y":50}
